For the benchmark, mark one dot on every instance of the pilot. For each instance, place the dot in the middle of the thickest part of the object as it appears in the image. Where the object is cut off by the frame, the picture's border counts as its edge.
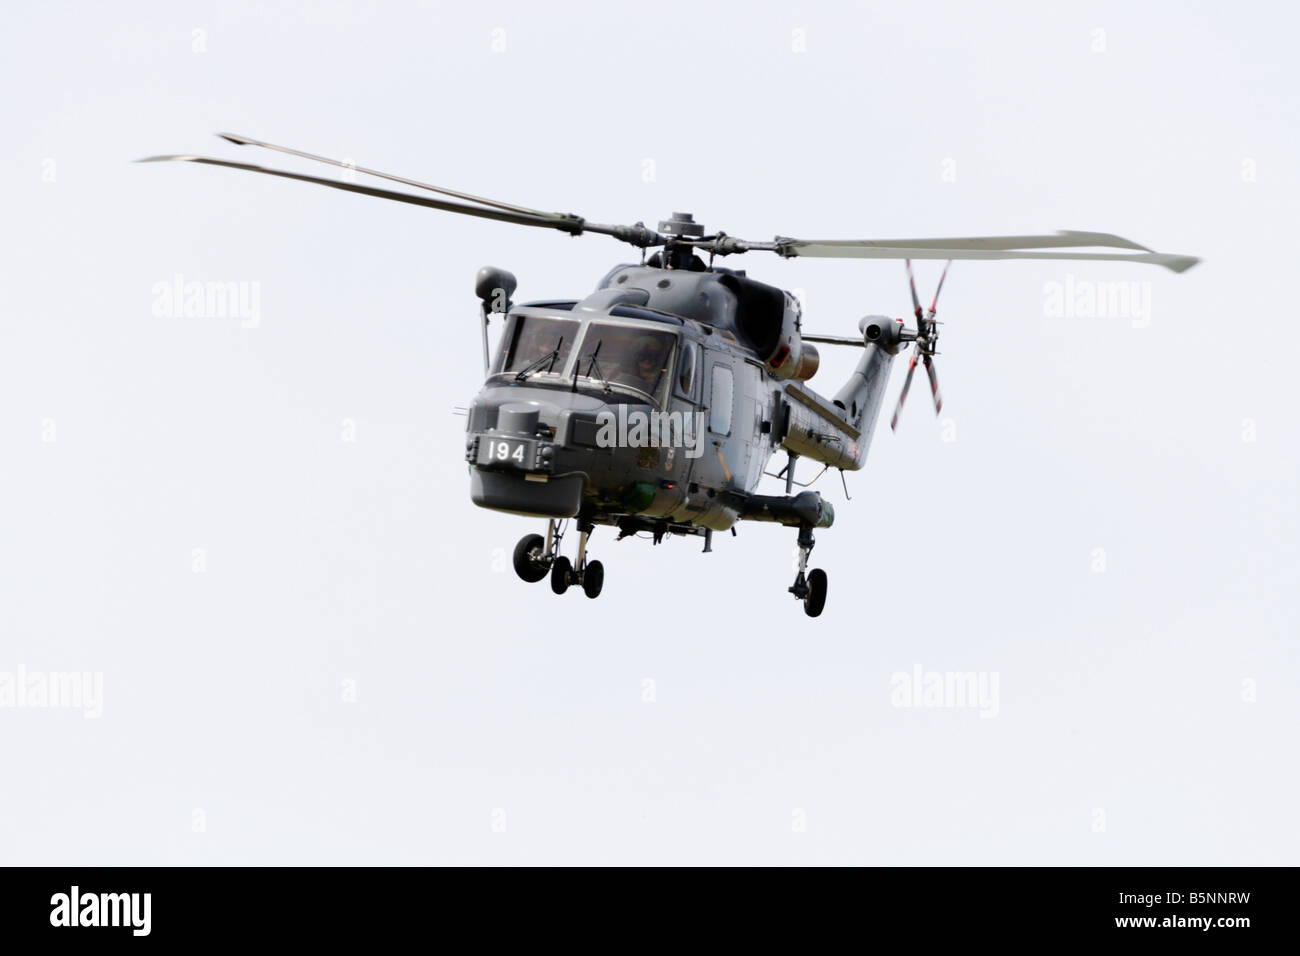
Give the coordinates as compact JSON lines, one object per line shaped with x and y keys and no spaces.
{"x":533,"y":348}
{"x":647,"y":363}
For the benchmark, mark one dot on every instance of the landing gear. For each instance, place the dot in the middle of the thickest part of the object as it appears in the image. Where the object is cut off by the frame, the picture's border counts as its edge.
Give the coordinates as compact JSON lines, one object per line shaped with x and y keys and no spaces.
{"x":590,"y":576}
{"x":816,"y":598}
{"x":531,"y":558}
{"x":593,"y":579}
{"x":537,"y":557}
{"x":561,"y":575}
{"x":809,"y":586}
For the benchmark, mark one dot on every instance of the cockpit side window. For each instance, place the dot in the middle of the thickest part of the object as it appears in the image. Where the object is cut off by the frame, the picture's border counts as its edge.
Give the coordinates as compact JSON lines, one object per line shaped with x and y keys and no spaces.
{"x":686,"y":369}
{"x":534,"y":340}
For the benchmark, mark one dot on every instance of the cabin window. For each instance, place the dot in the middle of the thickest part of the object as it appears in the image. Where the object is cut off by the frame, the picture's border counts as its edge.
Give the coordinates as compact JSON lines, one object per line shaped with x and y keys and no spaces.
{"x":720,"y":401}
{"x":534,"y":341}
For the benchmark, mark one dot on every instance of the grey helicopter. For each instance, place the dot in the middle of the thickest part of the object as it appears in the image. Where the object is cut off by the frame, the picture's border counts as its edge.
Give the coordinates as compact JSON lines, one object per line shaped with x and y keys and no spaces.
{"x":654,"y":404}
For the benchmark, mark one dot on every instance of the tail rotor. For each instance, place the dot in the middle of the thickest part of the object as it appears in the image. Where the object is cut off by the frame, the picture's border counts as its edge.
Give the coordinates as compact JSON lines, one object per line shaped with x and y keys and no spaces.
{"x":926,"y":338}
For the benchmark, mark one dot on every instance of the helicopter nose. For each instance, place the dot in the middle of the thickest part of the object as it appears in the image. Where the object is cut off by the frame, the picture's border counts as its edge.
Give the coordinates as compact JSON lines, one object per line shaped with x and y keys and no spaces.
{"x":515,"y":460}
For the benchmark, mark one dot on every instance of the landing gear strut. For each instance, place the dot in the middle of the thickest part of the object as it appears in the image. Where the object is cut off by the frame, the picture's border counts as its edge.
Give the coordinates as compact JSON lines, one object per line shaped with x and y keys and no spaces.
{"x":809,"y":586}
{"x":537,"y":558}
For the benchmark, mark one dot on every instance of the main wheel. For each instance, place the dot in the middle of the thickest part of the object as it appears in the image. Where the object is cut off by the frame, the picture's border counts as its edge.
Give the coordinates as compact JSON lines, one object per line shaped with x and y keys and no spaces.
{"x":561,"y":574}
{"x":528,"y":554}
{"x":593,"y":578}
{"x":815,"y":600}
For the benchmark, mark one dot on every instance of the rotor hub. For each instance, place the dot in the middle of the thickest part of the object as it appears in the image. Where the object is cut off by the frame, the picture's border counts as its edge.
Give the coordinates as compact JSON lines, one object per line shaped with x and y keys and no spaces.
{"x":681,"y":225}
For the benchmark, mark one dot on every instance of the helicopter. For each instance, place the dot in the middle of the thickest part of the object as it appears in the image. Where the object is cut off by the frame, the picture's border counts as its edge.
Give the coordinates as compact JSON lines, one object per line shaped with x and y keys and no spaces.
{"x":654,"y":404}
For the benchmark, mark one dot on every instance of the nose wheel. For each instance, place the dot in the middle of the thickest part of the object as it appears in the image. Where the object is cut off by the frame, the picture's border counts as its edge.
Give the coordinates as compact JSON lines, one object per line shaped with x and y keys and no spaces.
{"x":537,"y":558}
{"x":809,"y":586}
{"x":531,"y":560}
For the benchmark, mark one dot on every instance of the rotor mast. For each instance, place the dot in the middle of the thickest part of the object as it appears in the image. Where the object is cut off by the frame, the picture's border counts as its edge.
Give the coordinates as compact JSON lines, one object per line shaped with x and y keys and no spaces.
{"x":681,"y":225}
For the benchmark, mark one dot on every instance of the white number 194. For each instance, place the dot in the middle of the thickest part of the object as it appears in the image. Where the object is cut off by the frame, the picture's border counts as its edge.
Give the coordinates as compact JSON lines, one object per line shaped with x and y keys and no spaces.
{"x":501,"y":452}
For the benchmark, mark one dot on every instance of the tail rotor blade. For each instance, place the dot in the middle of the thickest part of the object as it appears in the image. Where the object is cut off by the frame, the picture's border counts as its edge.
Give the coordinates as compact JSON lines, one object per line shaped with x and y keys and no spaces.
{"x":939,"y":288}
{"x":911,"y":281}
{"x":934,"y":384}
{"x":902,"y":397}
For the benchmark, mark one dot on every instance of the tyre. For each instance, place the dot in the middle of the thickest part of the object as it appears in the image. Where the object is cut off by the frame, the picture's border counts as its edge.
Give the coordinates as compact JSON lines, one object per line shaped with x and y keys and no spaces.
{"x":528,"y":554}
{"x":816,"y":597}
{"x":593,"y":579}
{"x":561,"y":572}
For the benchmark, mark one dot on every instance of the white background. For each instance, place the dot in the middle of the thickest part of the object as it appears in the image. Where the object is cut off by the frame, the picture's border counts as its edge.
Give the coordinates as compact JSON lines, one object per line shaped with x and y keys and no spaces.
{"x":1147,"y":711}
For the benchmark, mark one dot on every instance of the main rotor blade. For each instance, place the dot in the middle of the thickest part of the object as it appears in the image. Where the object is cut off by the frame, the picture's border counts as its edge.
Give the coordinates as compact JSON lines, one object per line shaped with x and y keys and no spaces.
{"x":849,"y":249}
{"x":1062,"y":239}
{"x":572,"y":226}
{"x":934,"y":384}
{"x":902,"y":396}
{"x":510,"y":207}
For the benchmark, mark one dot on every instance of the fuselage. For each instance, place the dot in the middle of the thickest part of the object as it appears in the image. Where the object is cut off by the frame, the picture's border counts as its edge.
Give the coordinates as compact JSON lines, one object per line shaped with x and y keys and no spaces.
{"x":660,"y":408}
